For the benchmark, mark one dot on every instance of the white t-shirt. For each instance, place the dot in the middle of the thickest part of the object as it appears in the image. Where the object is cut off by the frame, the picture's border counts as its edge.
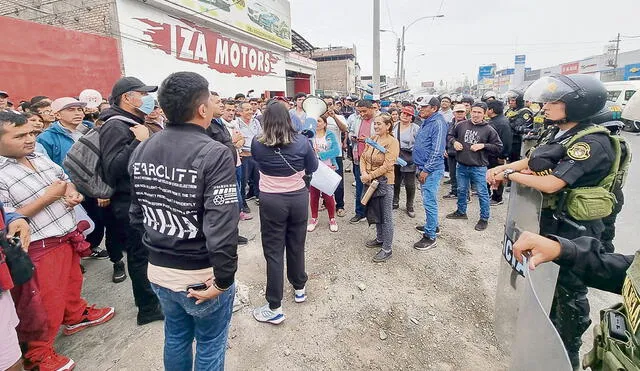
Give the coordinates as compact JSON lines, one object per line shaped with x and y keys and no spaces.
{"x":332,"y":126}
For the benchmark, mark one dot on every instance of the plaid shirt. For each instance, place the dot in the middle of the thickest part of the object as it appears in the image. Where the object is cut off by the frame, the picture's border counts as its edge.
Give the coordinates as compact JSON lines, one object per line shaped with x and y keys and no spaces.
{"x":20,"y":186}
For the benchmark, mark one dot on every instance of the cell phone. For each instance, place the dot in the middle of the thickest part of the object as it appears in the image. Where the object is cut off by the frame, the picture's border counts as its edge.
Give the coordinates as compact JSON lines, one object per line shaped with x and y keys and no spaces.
{"x":617,"y":327}
{"x":197,"y":286}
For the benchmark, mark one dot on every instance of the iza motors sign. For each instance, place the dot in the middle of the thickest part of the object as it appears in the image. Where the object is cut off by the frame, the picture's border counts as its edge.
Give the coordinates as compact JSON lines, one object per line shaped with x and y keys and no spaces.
{"x":200,"y":45}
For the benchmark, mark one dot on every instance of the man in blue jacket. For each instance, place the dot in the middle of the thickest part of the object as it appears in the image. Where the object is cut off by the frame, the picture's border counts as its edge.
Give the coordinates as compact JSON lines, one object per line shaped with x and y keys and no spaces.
{"x":428,"y":155}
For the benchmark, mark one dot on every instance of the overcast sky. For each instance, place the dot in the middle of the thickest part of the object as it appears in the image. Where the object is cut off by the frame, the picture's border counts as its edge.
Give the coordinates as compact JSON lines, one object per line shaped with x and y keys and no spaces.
{"x":549,"y":32}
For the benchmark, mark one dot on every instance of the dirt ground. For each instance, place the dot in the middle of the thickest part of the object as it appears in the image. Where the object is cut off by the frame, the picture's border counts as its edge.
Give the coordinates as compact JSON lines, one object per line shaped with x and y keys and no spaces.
{"x":428,"y":310}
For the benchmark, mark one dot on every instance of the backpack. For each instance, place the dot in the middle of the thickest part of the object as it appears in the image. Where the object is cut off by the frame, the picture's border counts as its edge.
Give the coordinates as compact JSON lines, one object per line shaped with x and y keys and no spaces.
{"x":83,"y":164}
{"x":590,"y":203}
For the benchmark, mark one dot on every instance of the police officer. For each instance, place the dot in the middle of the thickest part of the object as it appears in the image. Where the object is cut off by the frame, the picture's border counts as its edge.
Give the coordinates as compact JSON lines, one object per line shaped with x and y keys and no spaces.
{"x":555,"y":168}
{"x":488,"y":96}
{"x":616,"y":273}
{"x":520,"y":118}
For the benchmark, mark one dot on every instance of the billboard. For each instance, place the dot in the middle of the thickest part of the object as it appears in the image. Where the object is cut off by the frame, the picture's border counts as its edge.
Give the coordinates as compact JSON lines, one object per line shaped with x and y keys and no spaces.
{"x":589,"y":65}
{"x":231,"y":64}
{"x":570,"y":68}
{"x":267,"y":19}
{"x":487,"y":71}
{"x":632,"y":71}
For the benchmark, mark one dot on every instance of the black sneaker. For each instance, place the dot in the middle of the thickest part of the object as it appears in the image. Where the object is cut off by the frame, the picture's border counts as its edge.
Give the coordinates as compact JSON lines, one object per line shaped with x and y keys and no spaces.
{"x":395,"y":206}
{"x":119,"y":274}
{"x":356,"y":219}
{"x":425,"y":244}
{"x":382,"y":256}
{"x":98,"y":254}
{"x":242,"y":240}
{"x":373,"y":243}
{"x":410,"y":212}
{"x":457,"y":215}
{"x":481,"y":225}
{"x":496,"y":203}
{"x":148,"y":316}
{"x":246,"y":209}
{"x":420,"y":228}
{"x":450,"y":196}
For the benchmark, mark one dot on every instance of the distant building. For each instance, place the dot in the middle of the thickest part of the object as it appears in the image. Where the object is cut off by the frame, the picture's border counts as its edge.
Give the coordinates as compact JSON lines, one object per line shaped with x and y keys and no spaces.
{"x":338,"y":70}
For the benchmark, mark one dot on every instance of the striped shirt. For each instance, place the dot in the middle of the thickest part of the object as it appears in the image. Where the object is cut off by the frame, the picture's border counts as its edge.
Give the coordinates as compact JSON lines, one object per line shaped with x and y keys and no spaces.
{"x":20,"y":186}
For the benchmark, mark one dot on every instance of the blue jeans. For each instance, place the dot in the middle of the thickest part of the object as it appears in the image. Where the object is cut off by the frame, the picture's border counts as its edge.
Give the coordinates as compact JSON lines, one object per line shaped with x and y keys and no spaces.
{"x":208,"y":323}
{"x":239,"y":174}
{"x":359,"y":188}
{"x":477,"y":176}
{"x":430,"y":202}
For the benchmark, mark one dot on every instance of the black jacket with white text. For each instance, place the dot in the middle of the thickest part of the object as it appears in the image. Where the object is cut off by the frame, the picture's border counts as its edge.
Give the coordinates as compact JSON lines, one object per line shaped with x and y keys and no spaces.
{"x":184,"y":187}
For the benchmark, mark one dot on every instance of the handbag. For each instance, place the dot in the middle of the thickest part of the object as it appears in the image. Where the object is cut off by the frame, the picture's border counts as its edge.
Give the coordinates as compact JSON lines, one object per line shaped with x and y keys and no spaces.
{"x":405,"y":154}
{"x":306,"y":177}
{"x":20,"y":265}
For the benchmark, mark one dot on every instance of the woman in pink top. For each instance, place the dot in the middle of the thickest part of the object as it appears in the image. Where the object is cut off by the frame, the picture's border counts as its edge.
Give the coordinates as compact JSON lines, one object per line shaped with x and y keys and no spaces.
{"x":327,"y":147}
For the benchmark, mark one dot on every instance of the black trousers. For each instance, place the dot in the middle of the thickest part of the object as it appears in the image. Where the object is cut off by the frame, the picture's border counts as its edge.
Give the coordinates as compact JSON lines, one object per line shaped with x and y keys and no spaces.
{"x":516,"y":148}
{"x":409,"y":186}
{"x":609,"y":222}
{"x":250,"y":177}
{"x":570,"y":307}
{"x":339,"y":194}
{"x":496,"y":194}
{"x":106,"y":227}
{"x":95,"y":213}
{"x":137,"y":255}
{"x":283,"y":226}
{"x":452,"y":174}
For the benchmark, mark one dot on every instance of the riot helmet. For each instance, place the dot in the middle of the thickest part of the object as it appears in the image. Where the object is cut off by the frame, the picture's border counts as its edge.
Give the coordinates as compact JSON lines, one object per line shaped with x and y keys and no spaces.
{"x":489,"y":95}
{"x":517,"y":95}
{"x":583,"y":95}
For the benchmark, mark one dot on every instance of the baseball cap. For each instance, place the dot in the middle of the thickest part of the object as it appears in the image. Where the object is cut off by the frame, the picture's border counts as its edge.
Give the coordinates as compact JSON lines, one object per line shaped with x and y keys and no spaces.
{"x":459,"y":108}
{"x":280,"y":97}
{"x":435,"y":102}
{"x":4,"y":93}
{"x":127,"y":84}
{"x":65,"y":102}
{"x":408,"y":111}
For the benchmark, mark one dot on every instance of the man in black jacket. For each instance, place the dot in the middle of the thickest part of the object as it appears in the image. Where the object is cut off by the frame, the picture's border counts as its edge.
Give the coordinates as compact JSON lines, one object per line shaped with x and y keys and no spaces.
{"x":500,"y":123}
{"x":219,"y":132}
{"x":123,"y":130}
{"x":184,"y":182}
{"x":473,"y":141}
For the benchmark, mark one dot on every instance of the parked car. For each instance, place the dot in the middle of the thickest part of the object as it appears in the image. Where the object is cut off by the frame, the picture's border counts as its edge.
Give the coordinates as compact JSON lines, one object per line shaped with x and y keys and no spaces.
{"x":620,"y":92}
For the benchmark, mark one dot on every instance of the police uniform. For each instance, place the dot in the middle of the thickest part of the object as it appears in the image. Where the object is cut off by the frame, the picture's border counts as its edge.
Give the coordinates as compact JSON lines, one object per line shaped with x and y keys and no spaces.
{"x":520,"y":120}
{"x":615,"y":344}
{"x":585,"y":163}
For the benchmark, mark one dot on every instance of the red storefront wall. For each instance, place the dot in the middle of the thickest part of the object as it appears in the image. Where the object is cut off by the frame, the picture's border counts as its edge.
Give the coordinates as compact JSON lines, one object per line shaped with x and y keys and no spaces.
{"x":39,"y":59}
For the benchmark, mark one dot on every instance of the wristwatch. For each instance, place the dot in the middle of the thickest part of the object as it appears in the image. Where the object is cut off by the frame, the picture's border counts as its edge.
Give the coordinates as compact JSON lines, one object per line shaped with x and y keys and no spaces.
{"x":507,"y":173}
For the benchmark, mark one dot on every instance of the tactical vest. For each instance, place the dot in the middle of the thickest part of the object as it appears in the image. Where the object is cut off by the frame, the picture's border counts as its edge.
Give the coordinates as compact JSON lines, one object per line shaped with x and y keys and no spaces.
{"x":616,"y":340}
{"x":595,"y":202}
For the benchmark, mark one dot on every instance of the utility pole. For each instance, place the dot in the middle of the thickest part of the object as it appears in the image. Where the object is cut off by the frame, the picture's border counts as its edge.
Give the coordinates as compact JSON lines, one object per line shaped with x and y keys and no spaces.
{"x":402,"y":59}
{"x":615,"y":61}
{"x":398,"y":63}
{"x":376,"y":49}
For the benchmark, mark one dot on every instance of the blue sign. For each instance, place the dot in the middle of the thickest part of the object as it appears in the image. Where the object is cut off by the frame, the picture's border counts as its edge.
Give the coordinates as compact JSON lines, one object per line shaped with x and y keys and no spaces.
{"x":520,"y":59}
{"x":632,"y":71}
{"x":485,"y":72}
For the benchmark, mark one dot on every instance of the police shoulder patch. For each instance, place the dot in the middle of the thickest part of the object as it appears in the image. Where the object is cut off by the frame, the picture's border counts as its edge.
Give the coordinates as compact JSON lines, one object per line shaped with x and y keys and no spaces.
{"x":579,"y":151}
{"x":526,"y":116}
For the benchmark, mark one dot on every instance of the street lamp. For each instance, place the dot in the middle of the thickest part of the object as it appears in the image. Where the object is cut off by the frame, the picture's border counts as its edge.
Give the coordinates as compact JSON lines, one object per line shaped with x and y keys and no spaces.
{"x":404,"y":30}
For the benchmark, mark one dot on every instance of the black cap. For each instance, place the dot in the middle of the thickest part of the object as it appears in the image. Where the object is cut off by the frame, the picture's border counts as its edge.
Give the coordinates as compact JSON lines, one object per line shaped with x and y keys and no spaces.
{"x":127,"y":84}
{"x":434,"y":102}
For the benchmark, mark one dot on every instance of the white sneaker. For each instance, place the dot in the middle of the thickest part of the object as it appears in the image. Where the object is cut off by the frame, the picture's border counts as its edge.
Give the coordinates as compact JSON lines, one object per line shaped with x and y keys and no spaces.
{"x":333,"y":225}
{"x":300,"y":295}
{"x":266,"y":314}
{"x":312,"y":225}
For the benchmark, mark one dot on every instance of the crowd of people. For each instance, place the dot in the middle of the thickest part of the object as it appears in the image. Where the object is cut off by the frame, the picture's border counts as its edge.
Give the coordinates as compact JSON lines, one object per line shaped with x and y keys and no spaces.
{"x":176,"y":216}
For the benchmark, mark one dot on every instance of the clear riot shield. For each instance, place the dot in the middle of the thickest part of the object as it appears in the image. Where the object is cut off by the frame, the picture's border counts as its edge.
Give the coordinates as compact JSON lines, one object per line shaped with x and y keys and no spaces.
{"x":523,"y":297}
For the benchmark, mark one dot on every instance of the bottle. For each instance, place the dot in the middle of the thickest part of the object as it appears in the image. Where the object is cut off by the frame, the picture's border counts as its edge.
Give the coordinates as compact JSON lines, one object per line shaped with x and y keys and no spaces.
{"x":372,"y":188}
